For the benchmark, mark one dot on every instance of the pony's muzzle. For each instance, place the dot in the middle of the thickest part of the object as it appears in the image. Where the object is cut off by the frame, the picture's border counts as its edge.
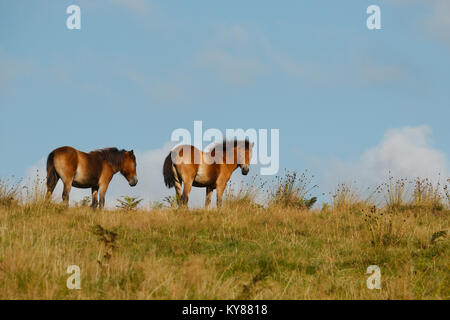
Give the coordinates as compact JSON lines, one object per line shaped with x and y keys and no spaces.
{"x":245,"y":169}
{"x":133,"y":181}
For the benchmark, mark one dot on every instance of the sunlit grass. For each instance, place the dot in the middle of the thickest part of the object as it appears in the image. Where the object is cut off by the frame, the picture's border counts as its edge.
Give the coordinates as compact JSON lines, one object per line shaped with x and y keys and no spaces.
{"x":240,"y":251}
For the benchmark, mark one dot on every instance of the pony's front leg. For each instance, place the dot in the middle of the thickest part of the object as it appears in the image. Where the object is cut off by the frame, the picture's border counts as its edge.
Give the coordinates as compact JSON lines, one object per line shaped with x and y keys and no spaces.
{"x":94,"y":197}
{"x":219,"y":190}
{"x":102,"y":193}
{"x":104,"y":181}
{"x":221,"y":184}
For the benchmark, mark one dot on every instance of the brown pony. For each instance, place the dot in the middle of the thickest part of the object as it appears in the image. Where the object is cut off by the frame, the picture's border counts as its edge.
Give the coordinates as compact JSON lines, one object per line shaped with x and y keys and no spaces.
{"x":89,"y":170}
{"x":211,"y":170}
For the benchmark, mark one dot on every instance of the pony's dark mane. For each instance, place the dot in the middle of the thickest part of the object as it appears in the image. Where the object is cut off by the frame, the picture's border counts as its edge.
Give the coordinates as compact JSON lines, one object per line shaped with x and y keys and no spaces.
{"x":113,"y":156}
{"x":226,"y":143}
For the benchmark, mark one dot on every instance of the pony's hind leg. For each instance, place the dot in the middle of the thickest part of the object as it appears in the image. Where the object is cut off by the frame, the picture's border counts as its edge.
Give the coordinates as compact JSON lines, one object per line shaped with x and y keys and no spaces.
{"x":177,"y":184}
{"x":52,"y":180}
{"x":186,"y":191}
{"x":94,"y":197}
{"x":178,"y":190}
{"x":209,"y":192}
{"x":66,"y":191}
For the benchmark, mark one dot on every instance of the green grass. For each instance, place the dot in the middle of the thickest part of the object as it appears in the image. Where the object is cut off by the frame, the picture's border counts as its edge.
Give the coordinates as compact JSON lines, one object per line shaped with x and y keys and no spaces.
{"x":239,"y":252}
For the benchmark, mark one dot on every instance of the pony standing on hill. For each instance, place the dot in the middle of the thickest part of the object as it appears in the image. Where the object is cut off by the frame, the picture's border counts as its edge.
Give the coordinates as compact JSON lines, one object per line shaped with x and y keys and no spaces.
{"x":211,"y":170}
{"x":89,"y":170}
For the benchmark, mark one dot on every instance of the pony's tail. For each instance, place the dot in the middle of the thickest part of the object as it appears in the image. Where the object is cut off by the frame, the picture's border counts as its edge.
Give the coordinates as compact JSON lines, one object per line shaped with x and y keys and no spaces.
{"x":52,"y":175}
{"x":168,"y":172}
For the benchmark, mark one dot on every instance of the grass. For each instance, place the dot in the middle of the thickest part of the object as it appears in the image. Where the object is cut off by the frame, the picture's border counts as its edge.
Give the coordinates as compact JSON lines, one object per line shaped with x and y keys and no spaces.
{"x":292,"y":191}
{"x":8,"y":193}
{"x":345,"y":197}
{"x":244,"y":194}
{"x":128,"y":203}
{"x":241,"y":251}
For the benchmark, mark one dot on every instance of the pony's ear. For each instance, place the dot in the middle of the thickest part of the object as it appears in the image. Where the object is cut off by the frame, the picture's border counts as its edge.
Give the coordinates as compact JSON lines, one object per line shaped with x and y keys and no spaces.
{"x":132,"y":152}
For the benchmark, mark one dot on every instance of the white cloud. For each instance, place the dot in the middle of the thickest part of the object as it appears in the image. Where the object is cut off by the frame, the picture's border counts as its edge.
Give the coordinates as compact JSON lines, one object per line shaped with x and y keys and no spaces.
{"x":405,"y":152}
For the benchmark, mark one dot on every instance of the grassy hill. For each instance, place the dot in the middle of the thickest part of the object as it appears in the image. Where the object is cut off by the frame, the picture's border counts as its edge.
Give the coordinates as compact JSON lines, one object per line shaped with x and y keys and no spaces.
{"x":241,"y":251}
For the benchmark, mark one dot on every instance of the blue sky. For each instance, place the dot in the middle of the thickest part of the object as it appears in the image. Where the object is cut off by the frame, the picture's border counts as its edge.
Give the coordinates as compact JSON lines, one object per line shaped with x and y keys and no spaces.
{"x":139,"y":69}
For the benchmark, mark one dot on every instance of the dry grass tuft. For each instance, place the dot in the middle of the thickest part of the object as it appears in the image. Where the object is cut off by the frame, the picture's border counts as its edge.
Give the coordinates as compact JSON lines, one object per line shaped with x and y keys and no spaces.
{"x":9,"y":193}
{"x":293,"y":190}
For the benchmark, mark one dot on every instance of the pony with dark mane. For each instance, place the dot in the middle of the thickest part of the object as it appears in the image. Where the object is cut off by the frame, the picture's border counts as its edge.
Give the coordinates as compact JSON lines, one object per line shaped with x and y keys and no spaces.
{"x":89,"y":170}
{"x":211,"y":170}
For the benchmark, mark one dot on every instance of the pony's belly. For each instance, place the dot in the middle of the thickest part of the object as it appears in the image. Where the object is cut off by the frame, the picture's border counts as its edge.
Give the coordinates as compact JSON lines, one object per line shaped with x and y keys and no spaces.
{"x":82,"y":186}
{"x":202,"y":178}
{"x":81,"y":180}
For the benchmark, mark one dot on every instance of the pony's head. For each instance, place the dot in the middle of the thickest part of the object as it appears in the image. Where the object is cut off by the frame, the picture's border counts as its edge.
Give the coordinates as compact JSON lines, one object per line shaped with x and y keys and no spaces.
{"x":129,"y":168}
{"x":244,"y":155}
